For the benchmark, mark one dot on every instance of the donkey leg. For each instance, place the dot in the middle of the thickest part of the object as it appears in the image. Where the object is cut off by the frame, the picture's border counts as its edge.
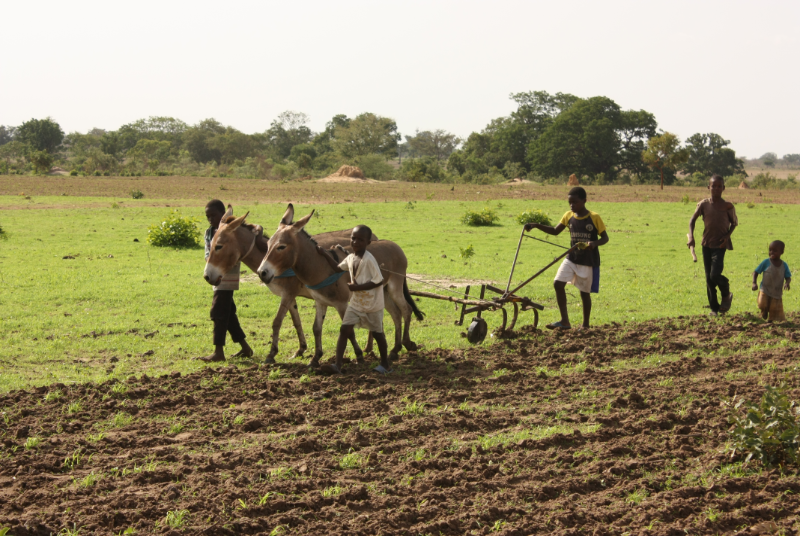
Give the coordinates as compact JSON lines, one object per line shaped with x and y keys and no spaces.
{"x":318,"y":319}
{"x":276,"y":329}
{"x":298,"y":327}
{"x":394,"y":312}
{"x":405,"y":310}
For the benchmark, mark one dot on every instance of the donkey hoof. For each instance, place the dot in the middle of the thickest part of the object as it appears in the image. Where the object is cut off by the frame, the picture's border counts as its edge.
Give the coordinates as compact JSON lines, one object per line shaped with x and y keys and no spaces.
{"x":360,"y":359}
{"x":393,"y":356}
{"x":269,"y":360}
{"x":298,"y":354}
{"x":411,"y":346}
{"x":314,"y":363}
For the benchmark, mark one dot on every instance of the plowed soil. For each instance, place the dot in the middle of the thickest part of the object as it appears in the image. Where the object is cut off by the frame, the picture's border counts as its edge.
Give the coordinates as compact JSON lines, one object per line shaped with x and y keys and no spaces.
{"x":605,"y":431}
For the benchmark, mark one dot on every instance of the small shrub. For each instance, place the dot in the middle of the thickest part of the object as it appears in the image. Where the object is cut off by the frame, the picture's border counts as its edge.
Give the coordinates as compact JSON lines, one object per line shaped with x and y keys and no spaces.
{"x":769,"y":431}
{"x":73,"y":173}
{"x":685,"y":200}
{"x":485,"y":217}
{"x":137,"y":194}
{"x":751,"y":205}
{"x":467,"y":252}
{"x":3,"y":234}
{"x":533,"y":216}
{"x":176,"y":231}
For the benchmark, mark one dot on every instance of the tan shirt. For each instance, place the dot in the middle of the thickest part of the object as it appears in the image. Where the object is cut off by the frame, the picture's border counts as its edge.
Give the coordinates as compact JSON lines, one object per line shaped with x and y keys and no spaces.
{"x":368,"y":271}
{"x":718,"y":222}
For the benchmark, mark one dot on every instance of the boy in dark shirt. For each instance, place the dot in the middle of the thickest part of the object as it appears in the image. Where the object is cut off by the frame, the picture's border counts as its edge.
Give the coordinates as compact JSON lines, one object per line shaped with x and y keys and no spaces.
{"x":223,"y":309}
{"x":719,"y":220}
{"x":582,"y":266}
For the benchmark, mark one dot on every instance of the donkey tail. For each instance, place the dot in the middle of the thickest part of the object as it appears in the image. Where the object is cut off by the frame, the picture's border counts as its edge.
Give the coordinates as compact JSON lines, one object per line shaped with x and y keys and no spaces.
{"x":419,"y":314}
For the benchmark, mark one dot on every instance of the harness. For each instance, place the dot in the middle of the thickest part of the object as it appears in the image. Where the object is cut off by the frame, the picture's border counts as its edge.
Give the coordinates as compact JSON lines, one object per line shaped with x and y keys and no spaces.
{"x":330,"y":280}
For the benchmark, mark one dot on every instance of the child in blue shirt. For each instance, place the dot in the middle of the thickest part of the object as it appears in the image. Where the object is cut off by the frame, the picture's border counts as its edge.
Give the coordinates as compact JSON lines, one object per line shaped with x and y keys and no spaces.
{"x":776,"y":279}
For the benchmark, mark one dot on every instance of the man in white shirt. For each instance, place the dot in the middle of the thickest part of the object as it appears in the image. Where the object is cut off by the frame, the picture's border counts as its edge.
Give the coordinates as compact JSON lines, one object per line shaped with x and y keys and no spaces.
{"x":365,"y":309}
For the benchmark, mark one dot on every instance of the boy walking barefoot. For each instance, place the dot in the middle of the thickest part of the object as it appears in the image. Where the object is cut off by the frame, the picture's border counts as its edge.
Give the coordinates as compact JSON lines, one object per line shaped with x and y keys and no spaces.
{"x":582,"y":266}
{"x":365,"y":309}
{"x":223,"y":310}
{"x":777,"y":278}
{"x":719,"y":220}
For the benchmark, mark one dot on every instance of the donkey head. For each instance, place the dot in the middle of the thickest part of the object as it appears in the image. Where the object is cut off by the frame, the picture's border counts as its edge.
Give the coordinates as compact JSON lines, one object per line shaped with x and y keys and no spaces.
{"x":228,"y":247}
{"x":283,"y":246}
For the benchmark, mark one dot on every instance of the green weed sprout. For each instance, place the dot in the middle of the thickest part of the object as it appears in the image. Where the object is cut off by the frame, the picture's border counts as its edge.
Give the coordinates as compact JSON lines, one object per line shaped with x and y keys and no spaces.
{"x":467,"y":252}
{"x":74,"y":407}
{"x":176,"y":518}
{"x":533,"y":216}
{"x":353,"y":460}
{"x":276,"y":374}
{"x":32,"y":443}
{"x":332,"y":491}
{"x":176,"y":231}
{"x":485,"y":217}
{"x":637,"y":496}
{"x":66,"y":531}
{"x":769,"y":431}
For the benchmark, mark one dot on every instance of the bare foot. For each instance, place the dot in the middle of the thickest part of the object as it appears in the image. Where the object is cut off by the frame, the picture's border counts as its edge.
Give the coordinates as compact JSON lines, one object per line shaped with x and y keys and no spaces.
{"x":213,"y":358}
{"x":244,"y":353}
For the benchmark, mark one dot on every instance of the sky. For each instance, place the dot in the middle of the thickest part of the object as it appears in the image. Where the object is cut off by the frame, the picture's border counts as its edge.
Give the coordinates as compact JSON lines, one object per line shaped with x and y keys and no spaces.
{"x":700,"y":66}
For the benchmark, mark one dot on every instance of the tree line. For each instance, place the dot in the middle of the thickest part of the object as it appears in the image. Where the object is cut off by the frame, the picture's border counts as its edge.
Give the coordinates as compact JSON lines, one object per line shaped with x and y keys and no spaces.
{"x":546,"y":138}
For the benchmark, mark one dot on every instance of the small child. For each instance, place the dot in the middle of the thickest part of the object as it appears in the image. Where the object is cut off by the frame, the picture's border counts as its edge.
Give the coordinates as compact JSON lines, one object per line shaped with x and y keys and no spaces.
{"x":581,"y":267}
{"x":223,"y":310}
{"x":365,"y":309}
{"x":777,"y":278}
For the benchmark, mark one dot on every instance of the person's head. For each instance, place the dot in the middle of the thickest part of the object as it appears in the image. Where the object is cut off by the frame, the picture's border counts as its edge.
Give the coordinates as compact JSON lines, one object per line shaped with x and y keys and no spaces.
{"x":360,"y":238}
{"x":215,"y":210}
{"x":717,"y":185}
{"x":577,"y":199}
{"x":776,"y":248}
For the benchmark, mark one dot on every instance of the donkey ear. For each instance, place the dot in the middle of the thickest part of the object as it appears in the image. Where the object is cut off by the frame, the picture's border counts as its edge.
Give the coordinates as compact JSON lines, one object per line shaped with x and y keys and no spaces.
{"x":228,"y":214}
{"x":299,"y":224}
{"x":232,"y":226}
{"x":288,"y":216}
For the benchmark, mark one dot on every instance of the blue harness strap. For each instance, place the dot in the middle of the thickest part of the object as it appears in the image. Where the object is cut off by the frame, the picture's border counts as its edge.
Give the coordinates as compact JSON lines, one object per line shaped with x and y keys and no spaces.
{"x":287,"y":273}
{"x":330,"y":280}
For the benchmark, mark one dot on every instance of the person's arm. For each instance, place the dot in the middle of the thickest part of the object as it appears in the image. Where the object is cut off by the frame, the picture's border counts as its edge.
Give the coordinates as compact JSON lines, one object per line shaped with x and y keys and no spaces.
{"x":331,"y":261}
{"x":692,"y":221}
{"x":603,"y":241}
{"x":375,"y":281}
{"x":755,"y":280}
{"x":787,"y":276}
{"x":734,"y":223}
{"x":546,"y":228}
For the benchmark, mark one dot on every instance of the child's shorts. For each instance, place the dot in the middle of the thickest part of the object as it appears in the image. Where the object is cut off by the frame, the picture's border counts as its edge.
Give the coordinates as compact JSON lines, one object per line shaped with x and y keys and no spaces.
{"x":370,"y":321}
{"x":771,"y":308}
{"x":585,"y":278}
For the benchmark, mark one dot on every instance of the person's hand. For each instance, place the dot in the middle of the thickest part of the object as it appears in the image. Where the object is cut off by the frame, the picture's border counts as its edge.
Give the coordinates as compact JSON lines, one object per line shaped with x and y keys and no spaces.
{"x":591,"y":245}
{"x":786,"y":285}
{"x":690,"y":243}
{"x":530,"y":227}
{"x":352,"y":286}
{"x":755,"y":286}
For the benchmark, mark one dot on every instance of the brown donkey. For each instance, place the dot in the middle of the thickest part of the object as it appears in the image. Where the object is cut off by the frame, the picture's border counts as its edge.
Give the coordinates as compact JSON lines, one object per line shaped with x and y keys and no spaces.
{"x":291,"y":247}
{"x":236,"y":241}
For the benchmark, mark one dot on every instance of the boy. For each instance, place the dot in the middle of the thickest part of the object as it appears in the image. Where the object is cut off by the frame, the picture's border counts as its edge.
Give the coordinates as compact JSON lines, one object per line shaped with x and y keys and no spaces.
{"x":223,"y":310}
{"x":582,"y":266}
{"x":777,"y":278}
{"x":365,"y":309}
{"x":719,"y":220}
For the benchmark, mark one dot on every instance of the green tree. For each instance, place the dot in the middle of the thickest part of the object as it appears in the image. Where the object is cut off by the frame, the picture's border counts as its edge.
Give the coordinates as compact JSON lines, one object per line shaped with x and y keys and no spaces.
{"x":367,"y":134}
{"x":40,"y":134}
{"x":664,"y":153}
{"x":287,"y":130}
{"x":13,"y":150}
{"x":42,"y":161}
{"x":636,"y":128}
{"x":157,"y":128}
{"x":584,"y":140}
{"x":151,"y":152}
{"x":196,"y":140}
{"x":792,"y":159}
{"x":709,"y":154}
{"x":6,"y":134}
{"x":438,"y":144}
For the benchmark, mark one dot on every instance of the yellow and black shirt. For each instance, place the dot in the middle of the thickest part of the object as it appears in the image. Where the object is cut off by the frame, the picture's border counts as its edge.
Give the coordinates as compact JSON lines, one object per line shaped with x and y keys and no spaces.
{"x":584,"y":229}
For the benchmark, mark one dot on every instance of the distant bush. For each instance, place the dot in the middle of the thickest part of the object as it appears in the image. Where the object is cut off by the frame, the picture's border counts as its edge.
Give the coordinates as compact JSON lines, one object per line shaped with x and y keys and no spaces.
{"x":137,"y":194}
{"x":485,"y":217}
{"x":176,"y":231}
{"x":375,"y":167}
{"x":533,"y":216}
{"x":3,"y":234}
{"x":73,"y":173}
{"x":769,"y":431}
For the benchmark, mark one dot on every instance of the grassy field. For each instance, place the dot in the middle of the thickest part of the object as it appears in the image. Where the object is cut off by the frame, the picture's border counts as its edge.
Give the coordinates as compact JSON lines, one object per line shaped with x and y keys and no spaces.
{"x":120,"y":307}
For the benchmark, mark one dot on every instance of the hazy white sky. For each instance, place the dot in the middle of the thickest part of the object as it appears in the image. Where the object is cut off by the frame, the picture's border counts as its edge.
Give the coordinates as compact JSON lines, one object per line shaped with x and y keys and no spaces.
{"x":729,"y":67}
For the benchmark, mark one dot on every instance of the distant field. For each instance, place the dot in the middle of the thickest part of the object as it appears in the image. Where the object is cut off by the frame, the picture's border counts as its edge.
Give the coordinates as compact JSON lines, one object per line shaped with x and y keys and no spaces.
{"x":49,"y":192}
{"x":780,"y":173}
{"x":86,"y":318}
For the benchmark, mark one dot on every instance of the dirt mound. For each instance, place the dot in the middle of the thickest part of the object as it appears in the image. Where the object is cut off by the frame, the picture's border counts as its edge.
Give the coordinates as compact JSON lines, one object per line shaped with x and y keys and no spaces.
{"x":347,"y":174}
{"x":517,"y":181}
{"x":608,"y":430}
{"x":744,"y":186}
{"x":573,"y":180}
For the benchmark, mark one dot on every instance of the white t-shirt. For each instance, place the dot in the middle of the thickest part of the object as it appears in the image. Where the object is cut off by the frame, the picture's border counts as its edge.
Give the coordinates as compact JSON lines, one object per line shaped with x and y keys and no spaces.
{"x":366,"y":301}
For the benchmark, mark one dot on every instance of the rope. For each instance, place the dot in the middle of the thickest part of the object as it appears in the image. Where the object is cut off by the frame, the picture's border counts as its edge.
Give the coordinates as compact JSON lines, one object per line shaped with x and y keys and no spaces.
{"x":455,"y":292}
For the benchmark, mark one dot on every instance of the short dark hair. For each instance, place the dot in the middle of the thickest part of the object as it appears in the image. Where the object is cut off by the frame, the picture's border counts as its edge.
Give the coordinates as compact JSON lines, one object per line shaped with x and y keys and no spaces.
{"x":363,"y":230}
{"x":578,"y":192}
{"x":717,"y":177}
{"x":779,"y":243}
{"x":217,"y":205}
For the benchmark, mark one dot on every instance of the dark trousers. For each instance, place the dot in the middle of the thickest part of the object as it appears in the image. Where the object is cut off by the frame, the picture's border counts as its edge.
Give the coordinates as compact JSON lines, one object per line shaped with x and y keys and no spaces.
{"x":223,"y":313}
{"x":714,"y":262}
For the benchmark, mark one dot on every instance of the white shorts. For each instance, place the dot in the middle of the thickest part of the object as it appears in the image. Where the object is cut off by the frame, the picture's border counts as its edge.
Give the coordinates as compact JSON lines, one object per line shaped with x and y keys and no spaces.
{"x":371,"y":321}
{"x":578,"y":275}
